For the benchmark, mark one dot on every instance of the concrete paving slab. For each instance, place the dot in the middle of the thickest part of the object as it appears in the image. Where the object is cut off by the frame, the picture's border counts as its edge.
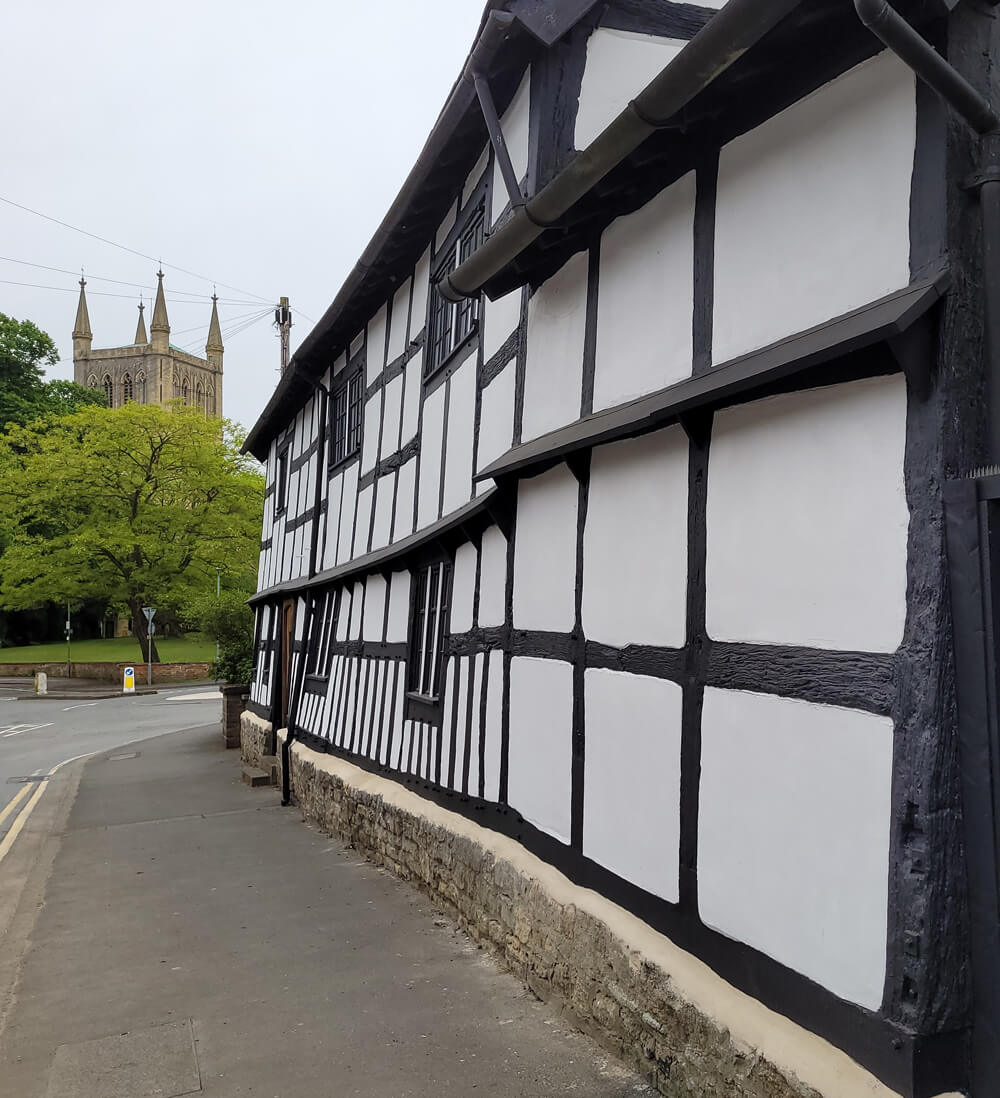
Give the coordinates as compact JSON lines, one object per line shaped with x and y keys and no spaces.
{"x":177,"y":893}
{"x":152,"y":1063}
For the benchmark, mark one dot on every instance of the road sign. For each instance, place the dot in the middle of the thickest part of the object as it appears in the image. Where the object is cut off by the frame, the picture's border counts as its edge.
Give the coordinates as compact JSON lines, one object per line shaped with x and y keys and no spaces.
{"x":128,"y":686}
{"x":152,"y":628}
{"x":150,"y":612}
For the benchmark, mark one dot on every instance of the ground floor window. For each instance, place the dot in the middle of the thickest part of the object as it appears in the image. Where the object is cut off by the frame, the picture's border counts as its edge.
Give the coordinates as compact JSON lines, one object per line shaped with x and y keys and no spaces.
{"x":429,"y":623}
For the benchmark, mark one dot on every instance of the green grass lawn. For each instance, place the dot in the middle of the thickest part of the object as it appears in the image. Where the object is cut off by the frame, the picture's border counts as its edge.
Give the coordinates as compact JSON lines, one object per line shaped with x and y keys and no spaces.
{"x":189,"y":649}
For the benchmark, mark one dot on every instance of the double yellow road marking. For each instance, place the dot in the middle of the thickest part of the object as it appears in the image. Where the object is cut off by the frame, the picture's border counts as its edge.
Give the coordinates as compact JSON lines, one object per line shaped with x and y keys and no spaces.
{"x":22,"y":818}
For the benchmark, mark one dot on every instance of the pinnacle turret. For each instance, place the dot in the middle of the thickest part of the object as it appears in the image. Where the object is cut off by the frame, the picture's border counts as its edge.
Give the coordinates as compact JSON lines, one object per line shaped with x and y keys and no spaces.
{"x":140,"y":331}
{"x":82,"y":335}
{"x":159,"y":329}
{"x":214,"y":331}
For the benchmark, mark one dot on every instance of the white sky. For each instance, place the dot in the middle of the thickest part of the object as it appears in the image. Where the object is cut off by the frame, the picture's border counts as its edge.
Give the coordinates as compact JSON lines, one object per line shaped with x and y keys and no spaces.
{"x":256,"y":144}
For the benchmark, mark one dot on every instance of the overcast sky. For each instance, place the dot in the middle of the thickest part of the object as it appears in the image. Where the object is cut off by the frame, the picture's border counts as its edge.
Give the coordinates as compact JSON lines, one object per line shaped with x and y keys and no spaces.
{"x":257,"y":145}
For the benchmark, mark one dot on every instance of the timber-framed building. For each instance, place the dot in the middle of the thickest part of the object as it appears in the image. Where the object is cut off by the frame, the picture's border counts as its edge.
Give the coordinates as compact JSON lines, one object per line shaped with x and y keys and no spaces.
{"x":632,"y":506}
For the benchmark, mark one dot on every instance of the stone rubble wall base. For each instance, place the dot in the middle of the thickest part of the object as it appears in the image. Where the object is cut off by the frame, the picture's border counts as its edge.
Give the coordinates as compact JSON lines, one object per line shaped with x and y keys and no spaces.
{"x":650,"y":1003}
{"x":111,"y":672}
{"x":234,"y":698}
{"x":256,"y":739}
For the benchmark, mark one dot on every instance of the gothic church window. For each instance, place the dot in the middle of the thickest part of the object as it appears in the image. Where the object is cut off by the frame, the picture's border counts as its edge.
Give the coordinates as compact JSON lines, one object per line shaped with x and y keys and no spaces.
{"x":127,"y":393}
{"x":109,"y":391}
{"x":140,"y":384}
{"x":92,"y":381}
{"x":199,"y":395}
{"x":184,"y":391}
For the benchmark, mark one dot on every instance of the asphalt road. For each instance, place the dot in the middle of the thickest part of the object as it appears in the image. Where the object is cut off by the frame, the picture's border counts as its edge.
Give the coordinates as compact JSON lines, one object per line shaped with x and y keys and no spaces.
{"x":38,"y":734}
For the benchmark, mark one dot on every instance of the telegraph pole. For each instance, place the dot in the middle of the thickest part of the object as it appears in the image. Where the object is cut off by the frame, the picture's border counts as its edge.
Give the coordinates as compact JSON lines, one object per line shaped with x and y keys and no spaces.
{"x":283,"y":322}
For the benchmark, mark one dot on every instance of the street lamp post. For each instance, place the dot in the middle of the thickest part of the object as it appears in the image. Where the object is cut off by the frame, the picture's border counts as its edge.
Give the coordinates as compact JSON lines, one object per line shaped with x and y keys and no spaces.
{"x":69,"y":653}
{"x":218,"y":591}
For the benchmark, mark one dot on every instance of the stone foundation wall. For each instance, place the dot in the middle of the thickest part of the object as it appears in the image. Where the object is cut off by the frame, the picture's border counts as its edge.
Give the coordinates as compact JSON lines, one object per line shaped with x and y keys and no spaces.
{"x":650,"y":1003}
{"x":256,"y":739}
{"x":111,"y":672}
{"x":234,"y":700}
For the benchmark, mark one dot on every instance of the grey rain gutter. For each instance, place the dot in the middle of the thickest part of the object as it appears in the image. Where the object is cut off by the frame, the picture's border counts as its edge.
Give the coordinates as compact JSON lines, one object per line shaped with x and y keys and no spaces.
{"x":720,"y":43}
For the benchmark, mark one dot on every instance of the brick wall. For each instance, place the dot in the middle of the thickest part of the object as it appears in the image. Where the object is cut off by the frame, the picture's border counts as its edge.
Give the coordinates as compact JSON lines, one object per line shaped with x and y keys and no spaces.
{"x":111,"y":672}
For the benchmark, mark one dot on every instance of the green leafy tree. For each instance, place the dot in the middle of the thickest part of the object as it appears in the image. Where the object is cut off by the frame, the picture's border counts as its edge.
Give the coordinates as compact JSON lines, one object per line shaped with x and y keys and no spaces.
{"x":228,"y":620}
{"x":25,"y":395}
{"x":136,"y":506}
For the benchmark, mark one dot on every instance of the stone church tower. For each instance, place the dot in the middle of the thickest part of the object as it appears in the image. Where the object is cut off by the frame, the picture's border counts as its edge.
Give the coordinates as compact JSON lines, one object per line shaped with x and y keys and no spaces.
{"x":150,"y":370}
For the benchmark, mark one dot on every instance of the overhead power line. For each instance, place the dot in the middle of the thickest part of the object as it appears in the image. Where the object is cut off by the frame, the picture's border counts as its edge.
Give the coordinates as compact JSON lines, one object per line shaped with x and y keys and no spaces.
{"x":129,"y":297}
{"x":124,"y":248}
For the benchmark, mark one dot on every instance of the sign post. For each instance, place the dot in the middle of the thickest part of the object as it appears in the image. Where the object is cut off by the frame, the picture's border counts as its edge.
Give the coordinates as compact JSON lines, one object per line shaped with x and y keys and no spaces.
{"x":150,"y":612}
{"x":128,"y":681}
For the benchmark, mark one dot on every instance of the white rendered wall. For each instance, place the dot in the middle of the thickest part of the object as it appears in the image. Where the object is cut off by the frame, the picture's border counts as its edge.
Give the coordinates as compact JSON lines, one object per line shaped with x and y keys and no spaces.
{"x":619,"y":65}
{"x":463,"y":588}
{"x":514,"y":124}
{"x":473,"y":178}
{"x":807,"y":519}
{"x":384,"y":488}
{"x":492,"y":577}
{"x":344,"y":618}
{"x":391,"y":415}
{"x":418,"y":306}
{"x":363,"y":521}
{"x":431,"y":438}
{"x":545,"y":551}
{"x":645,"y":297}
{"x":793,"y":835}
{"x":398,"y":322}
{"x":369,"y":440}
{"x":494,"y":727}
{"x":376,"y":345}
{"x":406,"y":484}
{"x":445,"y":227}
{"x":496,"y":417}
{"x":632,"y":775}
{"x":557,"y":323}
{"x":461,"y":436}
{"x":635,"y":541}
{"x":411,"y":398}
{"x":399,"y":607}
{"x":374,"y":614}
{"x":539,"y":758}
{"x":347,"y":507}
{"x":813,"y":207}
{"x":499,"y":320}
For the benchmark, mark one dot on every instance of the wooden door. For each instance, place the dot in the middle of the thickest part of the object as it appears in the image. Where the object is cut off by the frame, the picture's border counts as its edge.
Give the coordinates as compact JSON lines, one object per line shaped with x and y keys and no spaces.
{"x":287,"y":638}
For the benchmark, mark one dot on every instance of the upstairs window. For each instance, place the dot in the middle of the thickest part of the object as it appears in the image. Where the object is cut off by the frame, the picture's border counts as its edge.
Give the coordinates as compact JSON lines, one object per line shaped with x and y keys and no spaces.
{"x":345,"y":435}
{"x":431,"y":598}
{"x":109,"y":391}
{"x":450,"y":322}
{"x":281,"y":483}
{"x":126,"y":389}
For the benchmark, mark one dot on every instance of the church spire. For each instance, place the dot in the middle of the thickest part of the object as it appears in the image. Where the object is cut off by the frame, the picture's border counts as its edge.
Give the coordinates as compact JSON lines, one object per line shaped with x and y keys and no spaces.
{"x":82,"y":335}
{"x":160,"y":327}
{"x":140,"y":331}
{"x":214,"y":331}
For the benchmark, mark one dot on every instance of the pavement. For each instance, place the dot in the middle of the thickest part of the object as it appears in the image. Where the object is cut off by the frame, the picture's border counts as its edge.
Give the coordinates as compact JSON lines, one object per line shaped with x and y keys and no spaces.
{"x":20,"y":686}
{"x":165,"y":930}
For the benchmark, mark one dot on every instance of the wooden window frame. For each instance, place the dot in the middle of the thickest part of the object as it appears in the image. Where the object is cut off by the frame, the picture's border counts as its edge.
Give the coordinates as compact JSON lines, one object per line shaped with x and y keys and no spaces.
{"x":282,"y":476}
{"x":451,"y":324}
{"x":324,"y":628}
{"x":347,"y":414}
{"x":430,"y":621}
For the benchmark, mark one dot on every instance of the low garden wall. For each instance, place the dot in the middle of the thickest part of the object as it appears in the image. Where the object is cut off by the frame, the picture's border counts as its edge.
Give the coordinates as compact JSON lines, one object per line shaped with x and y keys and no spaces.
{"x":110,"y":672}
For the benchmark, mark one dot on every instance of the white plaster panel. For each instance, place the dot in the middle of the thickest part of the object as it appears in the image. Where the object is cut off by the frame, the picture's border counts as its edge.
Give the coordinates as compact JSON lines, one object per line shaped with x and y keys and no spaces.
{"x":421,"y":282}
{"x":369,"y":439}
{"x":398,"y":326}
{"x":646,"y":297}
{"x":344,"y":616}
{"x":357,"y":608}
{"x":376,"y":345}
{"x":363,"y":522}
{"x":557,"y":321}
{"x":540,"y":756}
{"x":463,"y":588}
{"x":461,"y":436}
{"x":545,"y":551}
{"x":384,"y":490}
{"x":463,"y":665}
{"x":447,"y":703}
{"x":494,"y":727}
{"x":406,"y":485}
{"x":445,"y":227}
{"x":476,"y":690}
{"x":793,"y":835}
{"x":399,"y":608}
{"x":374,"y":609}
{"x":496,"y":418}
{"x":332,"y":529}
{"x":619,"y":65}
{"x":807,"y":519}
{"x":514,"y":124}
{"x":635,"y":541}
{"x":473,"y":178}
{"x":411,"y":398}
{"x":632,"y":776}
{"x":347,"y":505}
{"x":498,"y":321}
{"x":492,"y":577}
{"x":391,"y":416}
{"x":431,"y":438}
{"x":803,"y":196}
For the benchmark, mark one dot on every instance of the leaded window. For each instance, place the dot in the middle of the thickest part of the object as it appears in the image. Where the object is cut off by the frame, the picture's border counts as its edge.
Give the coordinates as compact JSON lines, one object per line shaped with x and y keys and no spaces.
{"x":127,"y":389}
{"x":325,"y":611}
{"x":429,"y":623}
{"x":109,"y":390}
{"x":450,"y":322}
{"x":345,"y":427}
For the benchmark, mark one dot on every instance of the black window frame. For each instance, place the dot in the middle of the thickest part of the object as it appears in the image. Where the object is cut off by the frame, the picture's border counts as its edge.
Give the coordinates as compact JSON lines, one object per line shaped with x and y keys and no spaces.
{"x":451,"y":324}
{"x":326,"y":611}
{"x":430,"y":626}
{"x":282,"y":477}
{"x":347,"y":414}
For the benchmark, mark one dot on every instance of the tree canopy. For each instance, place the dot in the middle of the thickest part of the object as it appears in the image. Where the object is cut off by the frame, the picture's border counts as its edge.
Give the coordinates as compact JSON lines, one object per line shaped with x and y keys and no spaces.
{"x":138,"y":505}
{"x":25,"y":395}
